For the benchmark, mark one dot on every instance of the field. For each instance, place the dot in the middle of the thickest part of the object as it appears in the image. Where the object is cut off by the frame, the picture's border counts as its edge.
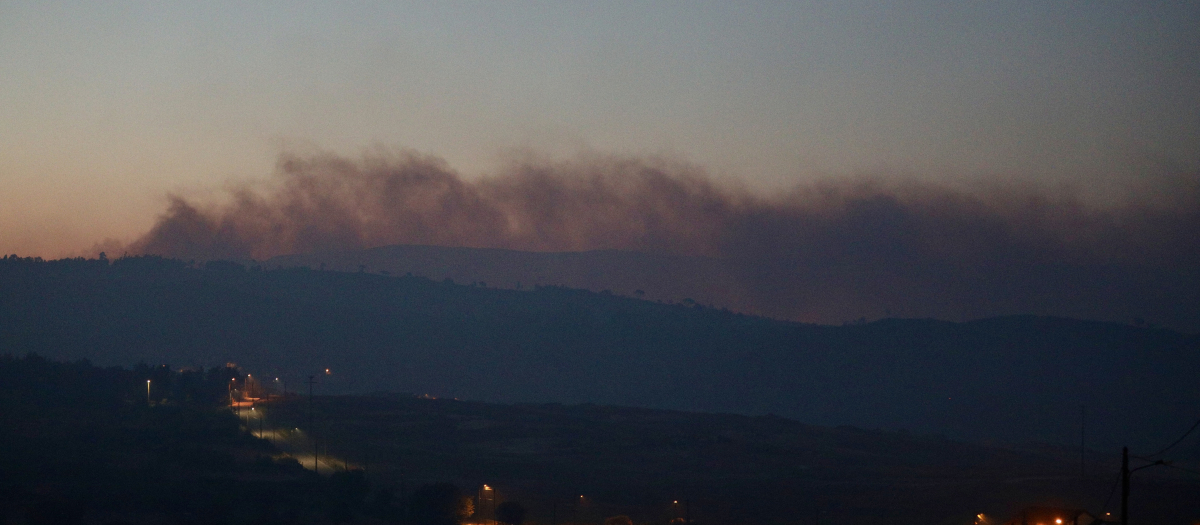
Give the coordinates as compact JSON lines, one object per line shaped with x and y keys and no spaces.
{"x":582,"y":463}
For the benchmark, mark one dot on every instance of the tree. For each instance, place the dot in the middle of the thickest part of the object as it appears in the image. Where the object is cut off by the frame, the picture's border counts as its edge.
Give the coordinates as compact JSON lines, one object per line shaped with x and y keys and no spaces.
{"x":511,"y":512}
{"x":346,"y":491}
{"x":439,"y":504}
{"x":618,"y":520}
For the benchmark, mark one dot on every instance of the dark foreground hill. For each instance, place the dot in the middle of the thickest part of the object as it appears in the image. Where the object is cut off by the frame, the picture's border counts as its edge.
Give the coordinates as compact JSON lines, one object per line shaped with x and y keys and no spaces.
{"x":582,"y":463}
{"x":1011,"y":379}
{"x":80,"y":444}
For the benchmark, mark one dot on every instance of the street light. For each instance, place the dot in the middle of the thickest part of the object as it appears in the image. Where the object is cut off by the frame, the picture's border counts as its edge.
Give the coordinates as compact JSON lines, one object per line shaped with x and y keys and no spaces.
{"x":147,"y":392}
{"x":483,"y":497}
{"x":236,"y":410}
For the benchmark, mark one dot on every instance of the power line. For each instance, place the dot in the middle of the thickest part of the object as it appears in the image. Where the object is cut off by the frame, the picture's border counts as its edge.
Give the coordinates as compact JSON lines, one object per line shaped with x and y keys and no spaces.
{"x":1111,"y":491}
{"x":1181,"y":468}
{"x":1172,"y":445}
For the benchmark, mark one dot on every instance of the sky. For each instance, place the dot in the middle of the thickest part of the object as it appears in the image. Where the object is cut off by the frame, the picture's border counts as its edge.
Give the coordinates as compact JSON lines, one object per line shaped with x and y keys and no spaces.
{"x":106,"y":108}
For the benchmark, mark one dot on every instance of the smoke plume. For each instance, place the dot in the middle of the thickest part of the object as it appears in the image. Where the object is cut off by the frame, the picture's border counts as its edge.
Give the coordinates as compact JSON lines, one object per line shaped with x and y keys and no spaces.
{"x":826,"y":251}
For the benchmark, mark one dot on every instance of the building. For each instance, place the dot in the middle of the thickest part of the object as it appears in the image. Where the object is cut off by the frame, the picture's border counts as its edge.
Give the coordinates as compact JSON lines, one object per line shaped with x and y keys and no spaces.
{"x":1053,"y":516}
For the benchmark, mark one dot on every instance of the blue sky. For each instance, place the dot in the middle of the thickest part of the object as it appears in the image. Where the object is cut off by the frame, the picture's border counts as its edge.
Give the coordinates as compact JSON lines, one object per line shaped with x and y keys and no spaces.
{"x":107,"y":106}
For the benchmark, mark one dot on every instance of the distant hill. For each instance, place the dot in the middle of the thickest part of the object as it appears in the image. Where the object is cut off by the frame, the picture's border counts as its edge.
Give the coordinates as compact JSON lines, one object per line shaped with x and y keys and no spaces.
{"x":648,"y":276}
{"x":798,"y":287}
{"x":1017,"y":378}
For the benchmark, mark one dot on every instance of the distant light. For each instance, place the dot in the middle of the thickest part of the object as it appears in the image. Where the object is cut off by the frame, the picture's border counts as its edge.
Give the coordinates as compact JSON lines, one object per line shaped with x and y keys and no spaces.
{"x":1059,"y":520}
{"x":326,"y":371}
{"x":147,"y":381}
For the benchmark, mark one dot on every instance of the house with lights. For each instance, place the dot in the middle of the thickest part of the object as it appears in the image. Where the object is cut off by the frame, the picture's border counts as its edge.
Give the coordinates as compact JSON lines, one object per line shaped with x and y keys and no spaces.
{"x":1053,"y":516}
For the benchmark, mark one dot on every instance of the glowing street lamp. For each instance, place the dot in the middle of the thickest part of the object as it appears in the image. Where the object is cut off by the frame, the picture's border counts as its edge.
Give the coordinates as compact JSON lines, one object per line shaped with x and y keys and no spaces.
{"x":147,"y":391}
{"x":483,"y":497}
{"x":232,"y":403}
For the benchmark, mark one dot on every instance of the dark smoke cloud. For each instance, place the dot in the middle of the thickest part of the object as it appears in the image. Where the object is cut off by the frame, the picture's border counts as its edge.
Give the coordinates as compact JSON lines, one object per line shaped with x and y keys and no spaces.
{"x":826,"y":251}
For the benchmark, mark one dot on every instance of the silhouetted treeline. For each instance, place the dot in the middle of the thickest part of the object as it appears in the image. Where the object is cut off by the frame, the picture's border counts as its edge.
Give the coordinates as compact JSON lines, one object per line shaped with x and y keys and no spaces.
{"x":1019,"y":378}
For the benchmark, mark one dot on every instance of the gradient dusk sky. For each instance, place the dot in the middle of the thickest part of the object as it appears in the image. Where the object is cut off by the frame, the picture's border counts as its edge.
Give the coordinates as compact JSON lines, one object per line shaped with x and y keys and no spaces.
{"x":106,"y":107}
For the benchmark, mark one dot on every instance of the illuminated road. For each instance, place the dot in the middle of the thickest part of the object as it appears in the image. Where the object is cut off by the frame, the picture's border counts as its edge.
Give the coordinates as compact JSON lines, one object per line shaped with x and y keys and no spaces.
{"x":292,"y":442}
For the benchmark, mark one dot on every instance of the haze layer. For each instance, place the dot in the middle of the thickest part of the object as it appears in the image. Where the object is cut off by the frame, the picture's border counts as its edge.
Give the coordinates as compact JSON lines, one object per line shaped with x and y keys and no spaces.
{"x":826,"y":251}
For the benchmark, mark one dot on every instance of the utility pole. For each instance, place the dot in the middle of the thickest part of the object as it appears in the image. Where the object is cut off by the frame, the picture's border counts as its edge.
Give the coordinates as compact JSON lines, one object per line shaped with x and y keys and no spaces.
{"x":312,"y":431}
{"x":1125,"y":486}
{"x":1125,"y":473}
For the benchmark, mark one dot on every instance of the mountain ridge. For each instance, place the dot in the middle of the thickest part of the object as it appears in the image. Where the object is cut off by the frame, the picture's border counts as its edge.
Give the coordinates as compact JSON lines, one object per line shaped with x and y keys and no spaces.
{"x":798,"y":289}
{"x":1009,"y":379}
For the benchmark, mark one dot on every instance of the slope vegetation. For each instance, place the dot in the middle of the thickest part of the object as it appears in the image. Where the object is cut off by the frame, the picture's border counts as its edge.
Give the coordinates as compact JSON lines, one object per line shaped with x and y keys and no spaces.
{"x":1010,"y":379}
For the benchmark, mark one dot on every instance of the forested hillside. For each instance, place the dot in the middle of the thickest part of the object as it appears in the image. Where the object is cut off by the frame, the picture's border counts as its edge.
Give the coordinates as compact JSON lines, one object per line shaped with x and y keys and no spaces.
{"x":1010,"y":379}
